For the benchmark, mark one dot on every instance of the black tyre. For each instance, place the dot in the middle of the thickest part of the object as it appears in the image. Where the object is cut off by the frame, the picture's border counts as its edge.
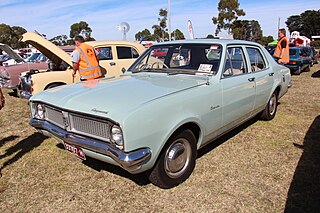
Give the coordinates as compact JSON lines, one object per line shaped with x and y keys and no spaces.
{"x":270,"y":111}
{"x":308,"y":68}
{"x":298,"y":71}
{"x":176,"y":161}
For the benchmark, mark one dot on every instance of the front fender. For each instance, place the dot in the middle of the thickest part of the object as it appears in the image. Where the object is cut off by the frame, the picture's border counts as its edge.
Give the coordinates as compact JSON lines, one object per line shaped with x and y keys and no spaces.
{"x":41,"y":80}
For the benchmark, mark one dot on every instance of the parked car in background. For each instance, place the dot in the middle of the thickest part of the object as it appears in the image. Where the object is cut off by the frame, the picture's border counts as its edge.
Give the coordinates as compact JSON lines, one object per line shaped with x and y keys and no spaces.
{"x":270,"y":49}
{"x":300,"y":60}
{"x":10,"y":75}
{"x":4,"y":58}
{"x":115,"y":58}
{"x":160,"y":112}
{"x":160,"y":53}
{"x":12,"y":55}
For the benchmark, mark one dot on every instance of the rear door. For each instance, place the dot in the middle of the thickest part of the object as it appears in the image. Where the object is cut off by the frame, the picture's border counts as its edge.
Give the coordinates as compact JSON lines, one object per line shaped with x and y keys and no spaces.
{"x":238,"y":87}
{"x":262,"y":73}
{"x":126,"y":56}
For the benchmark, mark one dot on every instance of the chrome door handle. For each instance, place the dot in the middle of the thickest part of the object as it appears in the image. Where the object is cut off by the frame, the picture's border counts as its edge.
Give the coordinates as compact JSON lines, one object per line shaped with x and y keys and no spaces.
{"x":271,"y":74}
{"x":251,"y":79}
{"x":112,"y":63}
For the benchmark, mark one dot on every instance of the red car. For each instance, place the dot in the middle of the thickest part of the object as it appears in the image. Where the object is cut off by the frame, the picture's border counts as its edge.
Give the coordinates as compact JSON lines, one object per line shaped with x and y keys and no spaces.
{"x":160,"y":53}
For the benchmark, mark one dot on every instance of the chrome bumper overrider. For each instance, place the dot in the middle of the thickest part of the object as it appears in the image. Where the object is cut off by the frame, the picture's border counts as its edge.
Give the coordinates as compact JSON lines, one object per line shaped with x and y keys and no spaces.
{"x":131,"y":161}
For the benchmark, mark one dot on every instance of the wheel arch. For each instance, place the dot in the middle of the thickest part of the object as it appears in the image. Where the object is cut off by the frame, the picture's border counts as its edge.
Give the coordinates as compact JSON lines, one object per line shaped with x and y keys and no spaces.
{"x":54,"y":83}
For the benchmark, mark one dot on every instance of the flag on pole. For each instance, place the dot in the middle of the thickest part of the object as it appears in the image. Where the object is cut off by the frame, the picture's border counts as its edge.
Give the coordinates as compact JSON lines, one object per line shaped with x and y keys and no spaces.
{"x":190,"y":29}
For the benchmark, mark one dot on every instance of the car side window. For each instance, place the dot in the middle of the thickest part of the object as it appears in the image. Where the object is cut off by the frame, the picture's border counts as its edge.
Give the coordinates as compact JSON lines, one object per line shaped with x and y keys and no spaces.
{"x":235,"y":63}
{"x":256,"y":60}
{"x":105,"y":53}
{"x":127,"y":52}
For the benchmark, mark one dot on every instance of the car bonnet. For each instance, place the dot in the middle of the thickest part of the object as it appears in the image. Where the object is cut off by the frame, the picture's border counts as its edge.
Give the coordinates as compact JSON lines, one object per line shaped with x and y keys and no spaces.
{"x":11,"y":53}
{"x":53,"y":52}
{"x":116,"y":97}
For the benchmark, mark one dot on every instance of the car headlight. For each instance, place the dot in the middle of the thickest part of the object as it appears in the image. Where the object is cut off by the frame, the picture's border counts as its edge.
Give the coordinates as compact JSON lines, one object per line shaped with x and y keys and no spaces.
{"x":116,"y":136}
{"x":39,"y":111}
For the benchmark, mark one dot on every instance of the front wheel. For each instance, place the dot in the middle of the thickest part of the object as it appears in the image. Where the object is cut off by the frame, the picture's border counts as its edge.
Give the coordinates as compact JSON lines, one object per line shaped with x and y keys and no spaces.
{"x":270,"y":111}
{"x":176,"y":161}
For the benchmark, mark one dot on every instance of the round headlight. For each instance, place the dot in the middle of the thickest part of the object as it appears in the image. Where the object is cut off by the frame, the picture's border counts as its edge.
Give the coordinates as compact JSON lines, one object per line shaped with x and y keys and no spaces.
{"x":116,"y":135}
{"x":40,"y":111}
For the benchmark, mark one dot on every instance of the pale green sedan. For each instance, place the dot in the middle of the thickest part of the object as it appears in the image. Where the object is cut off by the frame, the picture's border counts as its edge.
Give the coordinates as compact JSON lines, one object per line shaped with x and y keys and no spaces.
{"x":162,"y":110}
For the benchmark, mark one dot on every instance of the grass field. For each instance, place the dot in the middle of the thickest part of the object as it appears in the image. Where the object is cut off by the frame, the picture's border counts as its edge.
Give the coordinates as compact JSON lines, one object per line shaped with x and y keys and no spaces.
{"x":259,"y":167}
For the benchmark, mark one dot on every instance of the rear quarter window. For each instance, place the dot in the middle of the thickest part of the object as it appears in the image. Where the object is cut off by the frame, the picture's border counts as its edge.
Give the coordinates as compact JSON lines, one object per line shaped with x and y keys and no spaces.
{"x":127,"y":52}
{"x":257,"y":61}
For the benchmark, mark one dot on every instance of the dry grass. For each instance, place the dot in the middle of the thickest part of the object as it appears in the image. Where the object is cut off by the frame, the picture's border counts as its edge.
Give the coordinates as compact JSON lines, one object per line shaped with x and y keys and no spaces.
{"x":259,"y":167}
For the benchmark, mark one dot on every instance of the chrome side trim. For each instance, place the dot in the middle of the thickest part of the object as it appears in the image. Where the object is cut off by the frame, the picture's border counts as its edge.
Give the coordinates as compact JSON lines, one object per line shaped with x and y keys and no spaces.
{"x":131,"y":161}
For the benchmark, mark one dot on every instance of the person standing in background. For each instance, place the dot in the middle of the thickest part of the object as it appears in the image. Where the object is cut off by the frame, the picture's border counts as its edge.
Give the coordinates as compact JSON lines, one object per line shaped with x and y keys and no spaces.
{"x":85,"y":60}
{"x":282,"y":49}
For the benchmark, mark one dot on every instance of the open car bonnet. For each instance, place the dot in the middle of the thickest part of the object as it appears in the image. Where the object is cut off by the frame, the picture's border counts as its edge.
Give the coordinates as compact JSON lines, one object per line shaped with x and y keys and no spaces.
{"x":6,"y":48}
{"x":49,"y":49}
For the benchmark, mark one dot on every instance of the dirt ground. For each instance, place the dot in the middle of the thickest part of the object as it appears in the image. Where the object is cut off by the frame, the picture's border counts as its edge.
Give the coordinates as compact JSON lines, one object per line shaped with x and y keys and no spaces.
{"x":259,"y":167}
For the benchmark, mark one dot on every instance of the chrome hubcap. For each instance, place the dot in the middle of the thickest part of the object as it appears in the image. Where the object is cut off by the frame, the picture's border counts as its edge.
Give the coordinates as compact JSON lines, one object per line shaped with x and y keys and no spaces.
{"x":177,"y":158}
{"x":272,"y":104}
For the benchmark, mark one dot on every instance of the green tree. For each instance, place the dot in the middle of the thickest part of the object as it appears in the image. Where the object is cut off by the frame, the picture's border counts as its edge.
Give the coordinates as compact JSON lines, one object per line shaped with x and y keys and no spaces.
{"x":60,"y":40}
{"x":177,"y":35}
{"x":82,"y":28}
{"x":143,"y":35}
{"x":157,"y":33}
{"x":294,"y":23}
{"x":228,"y":13}
{"x":248,"y":30}
{"x":307,"y":23}
{"x":6,"y":34}
{"x":159,"y":30}
{"x":265,"y":40}
{"x":11,"y":35}
{"x":311,"y":22}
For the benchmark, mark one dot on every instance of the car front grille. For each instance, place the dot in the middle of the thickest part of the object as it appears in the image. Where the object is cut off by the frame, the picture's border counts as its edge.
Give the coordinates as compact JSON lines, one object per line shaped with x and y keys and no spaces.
{"x":78,"y":123}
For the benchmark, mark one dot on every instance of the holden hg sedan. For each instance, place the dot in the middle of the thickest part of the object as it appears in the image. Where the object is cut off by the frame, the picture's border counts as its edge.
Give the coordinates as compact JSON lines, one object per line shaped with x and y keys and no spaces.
{"x":157,"y":115}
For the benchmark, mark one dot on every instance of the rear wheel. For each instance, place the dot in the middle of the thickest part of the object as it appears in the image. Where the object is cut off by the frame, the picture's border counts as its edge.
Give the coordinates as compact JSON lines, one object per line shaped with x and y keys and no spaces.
{"x":176,"y":161}
{"x":298,"y":71}
{"x":308,"y":68}
{"x":270,"y":111}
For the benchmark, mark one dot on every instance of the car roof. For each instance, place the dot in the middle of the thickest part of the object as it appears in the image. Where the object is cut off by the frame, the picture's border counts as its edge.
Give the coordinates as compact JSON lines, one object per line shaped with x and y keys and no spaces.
{"x":207,"y":41}
{"x":121,"y":42}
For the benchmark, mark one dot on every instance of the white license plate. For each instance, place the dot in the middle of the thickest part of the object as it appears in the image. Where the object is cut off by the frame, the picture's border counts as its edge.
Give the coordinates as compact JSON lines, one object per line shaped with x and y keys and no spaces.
{"x":77,"y":151}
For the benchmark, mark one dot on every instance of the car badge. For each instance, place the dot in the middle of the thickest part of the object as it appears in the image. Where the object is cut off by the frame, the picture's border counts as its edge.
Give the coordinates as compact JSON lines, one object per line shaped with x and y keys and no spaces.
{"x":99,"y":111}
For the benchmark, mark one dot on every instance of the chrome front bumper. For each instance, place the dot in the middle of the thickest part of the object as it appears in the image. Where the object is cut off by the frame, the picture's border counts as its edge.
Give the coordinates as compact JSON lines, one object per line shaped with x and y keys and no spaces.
{"x":131,"y":161}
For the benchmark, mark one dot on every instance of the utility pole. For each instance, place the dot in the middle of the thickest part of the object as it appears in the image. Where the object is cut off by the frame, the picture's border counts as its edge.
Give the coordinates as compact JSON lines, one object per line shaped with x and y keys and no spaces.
{"x":169,"y":21}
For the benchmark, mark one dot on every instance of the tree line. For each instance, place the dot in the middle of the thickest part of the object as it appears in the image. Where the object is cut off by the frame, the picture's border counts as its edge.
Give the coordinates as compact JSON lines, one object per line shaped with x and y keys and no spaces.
{"x":307,"y":23}
{"x":11,"y":34}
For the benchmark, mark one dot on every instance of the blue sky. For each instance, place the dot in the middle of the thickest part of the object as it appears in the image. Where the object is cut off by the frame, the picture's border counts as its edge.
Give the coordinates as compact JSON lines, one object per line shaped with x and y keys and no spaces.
{"x":54,"y":17}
